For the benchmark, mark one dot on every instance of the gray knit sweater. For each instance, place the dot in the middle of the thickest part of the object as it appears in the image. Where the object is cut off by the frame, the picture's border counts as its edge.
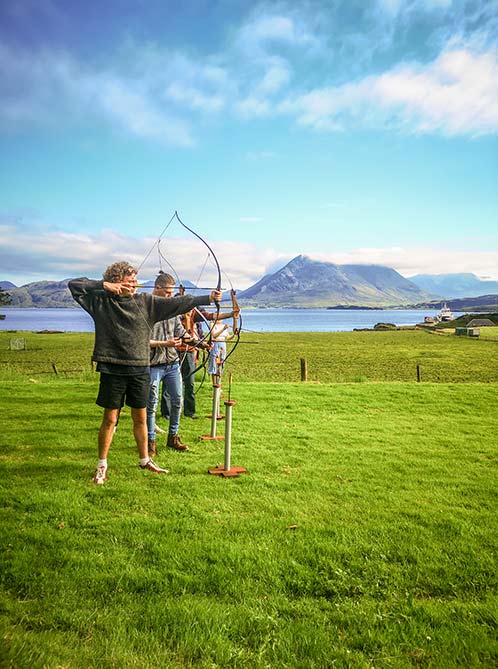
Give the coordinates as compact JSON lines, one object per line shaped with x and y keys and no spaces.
{"x":123,"y":324}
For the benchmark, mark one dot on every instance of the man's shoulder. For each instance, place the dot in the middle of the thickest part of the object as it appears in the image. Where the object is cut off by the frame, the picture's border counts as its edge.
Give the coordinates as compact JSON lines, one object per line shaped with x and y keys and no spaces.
{"x":166,"y":323}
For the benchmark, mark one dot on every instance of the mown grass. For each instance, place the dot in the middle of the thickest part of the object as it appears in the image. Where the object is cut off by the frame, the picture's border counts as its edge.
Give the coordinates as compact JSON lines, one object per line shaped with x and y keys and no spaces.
{"x":363,"y":535}
{"x":332,"y":357}
{"x":489,"y":333}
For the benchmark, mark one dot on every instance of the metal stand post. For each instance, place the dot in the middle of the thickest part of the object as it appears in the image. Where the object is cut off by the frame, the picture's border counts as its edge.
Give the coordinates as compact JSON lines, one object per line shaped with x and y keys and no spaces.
{"x":216,"y":409}
{"x":226,"y":469}
{"x":214,"y":415}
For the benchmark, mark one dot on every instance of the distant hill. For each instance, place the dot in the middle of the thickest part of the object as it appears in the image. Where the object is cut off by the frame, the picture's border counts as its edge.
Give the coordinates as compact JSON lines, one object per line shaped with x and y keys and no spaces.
{"x":304,"y":282}
{"x":450,"y":286}
{"x":7,"y":285}
{"x":488,"y":303}
{"x":42,"y":294}
{"x":55,"y":294}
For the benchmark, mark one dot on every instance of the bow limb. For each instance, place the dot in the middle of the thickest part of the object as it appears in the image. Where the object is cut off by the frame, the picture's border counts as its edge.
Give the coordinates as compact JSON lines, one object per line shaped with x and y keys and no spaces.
{"x":156,"y":243}
{"x":236,"y":343}
{"x":236,"y":312}
{"x":218,"y":286}
{"x":203,"y":364}
{"x":237,"y":320}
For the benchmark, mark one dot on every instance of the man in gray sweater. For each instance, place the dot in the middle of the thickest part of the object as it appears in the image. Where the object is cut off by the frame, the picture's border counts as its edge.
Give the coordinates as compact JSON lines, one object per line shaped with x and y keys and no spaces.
{"x":123,"y":322}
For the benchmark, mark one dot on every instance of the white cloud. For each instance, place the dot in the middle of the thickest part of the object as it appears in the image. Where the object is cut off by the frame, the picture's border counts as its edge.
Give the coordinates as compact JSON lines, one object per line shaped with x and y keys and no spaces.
{"x":420,"y":260}
{"x":431,"y":4}
{"x":162,"y":93}
{"x":392,"y":7}
{"x":277,"y":75}
{"x":268,"y":27}
{"x":456,"y":94}
{"x":271,"y":75}
{"x":34,"y":253}
{"x":190,"y":84}
{"x":138,"y":114}
{"x":395,"y":7}
{"x":31,"y":85}
{"x":262,"y":57}
{"x":252,"y":107}
{"x":194,"y":98}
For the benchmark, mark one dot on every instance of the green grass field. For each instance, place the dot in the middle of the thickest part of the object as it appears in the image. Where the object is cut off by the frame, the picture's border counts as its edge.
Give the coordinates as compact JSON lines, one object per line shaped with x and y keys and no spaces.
{"x":489,"y":333}
{"x":333,"y":357}
{"x":363,"y":535}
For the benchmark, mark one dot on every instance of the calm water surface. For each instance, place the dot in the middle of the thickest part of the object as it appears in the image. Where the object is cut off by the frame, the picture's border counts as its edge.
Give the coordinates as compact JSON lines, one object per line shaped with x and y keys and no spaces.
{"x":256,"y":320}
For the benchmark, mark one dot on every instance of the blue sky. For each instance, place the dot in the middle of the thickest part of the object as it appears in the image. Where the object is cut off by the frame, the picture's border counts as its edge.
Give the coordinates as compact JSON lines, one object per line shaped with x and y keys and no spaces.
{"x":350,"y":131}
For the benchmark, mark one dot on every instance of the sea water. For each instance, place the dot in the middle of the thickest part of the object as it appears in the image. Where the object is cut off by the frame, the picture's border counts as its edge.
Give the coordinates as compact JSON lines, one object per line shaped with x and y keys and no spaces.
{"x":254,"y":320}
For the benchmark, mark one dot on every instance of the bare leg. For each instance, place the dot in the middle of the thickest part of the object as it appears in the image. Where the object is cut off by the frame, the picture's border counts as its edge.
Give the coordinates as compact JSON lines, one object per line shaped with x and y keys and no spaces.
{"x":106,"y":431}
{"x":139,"y":417}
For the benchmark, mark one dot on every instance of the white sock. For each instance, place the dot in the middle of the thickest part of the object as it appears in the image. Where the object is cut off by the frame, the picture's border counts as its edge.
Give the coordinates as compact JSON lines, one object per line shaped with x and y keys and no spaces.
{"x":102,"y":463}
{"x":144,"y":461}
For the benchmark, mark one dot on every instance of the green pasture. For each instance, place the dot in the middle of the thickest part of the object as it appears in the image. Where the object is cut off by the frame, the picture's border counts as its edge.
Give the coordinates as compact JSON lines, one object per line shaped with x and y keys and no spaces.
{"x":364,"y":533}
{"x":332,"y":357}
{"x":490,"y":333}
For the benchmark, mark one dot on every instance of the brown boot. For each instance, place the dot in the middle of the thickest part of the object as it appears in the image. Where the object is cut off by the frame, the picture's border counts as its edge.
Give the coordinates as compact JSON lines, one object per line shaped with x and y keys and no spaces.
{"x":175,"y":442}
{"x":152,"y":448}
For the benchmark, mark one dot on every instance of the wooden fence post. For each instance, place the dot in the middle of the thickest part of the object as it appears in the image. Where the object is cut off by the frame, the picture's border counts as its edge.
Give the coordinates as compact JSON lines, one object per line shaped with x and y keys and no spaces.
{"x":304,"y":369}
{"x":418,"y":373}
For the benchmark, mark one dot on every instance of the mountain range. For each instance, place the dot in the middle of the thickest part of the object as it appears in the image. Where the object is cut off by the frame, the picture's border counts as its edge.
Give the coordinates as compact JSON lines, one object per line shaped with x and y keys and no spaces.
{"x":54,"y":294}
{"x":304,"y":282}
{"x":450,"y":286}
{"x":40,"y":294}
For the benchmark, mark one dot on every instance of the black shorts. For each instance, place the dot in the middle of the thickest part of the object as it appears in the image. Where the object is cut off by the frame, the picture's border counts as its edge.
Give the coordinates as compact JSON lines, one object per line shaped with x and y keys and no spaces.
{"x":115,"y":389}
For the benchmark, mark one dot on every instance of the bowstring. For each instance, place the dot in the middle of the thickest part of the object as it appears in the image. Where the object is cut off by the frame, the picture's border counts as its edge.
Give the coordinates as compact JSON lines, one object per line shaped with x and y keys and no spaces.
{"x":209,"y":327}
{"x":202,"y":269}
{"x":163,"y":258}
{"x":156,"y":243}
{"x":239,"y":318}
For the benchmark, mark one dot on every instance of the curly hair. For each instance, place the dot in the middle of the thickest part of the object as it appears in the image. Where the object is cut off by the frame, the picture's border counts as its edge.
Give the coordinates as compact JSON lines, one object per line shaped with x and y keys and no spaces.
{"x":163,"y":280}
{"x":118,"y":270}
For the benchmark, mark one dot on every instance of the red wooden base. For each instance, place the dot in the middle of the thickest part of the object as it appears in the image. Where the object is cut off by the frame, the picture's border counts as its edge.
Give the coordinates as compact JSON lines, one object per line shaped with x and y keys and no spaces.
{"x":233,"y":471}
{"x":208,"y":437}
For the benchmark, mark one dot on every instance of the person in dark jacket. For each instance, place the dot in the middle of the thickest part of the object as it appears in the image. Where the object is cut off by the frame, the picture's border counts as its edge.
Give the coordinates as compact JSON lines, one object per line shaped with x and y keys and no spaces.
{"x":123,"y":322}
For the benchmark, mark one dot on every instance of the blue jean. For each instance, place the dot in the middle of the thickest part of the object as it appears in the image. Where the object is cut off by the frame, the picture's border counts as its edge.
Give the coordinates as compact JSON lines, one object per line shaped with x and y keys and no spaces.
{"x":187,"y":367}
{"x":219,"y":350}
{"x":170,"y":375}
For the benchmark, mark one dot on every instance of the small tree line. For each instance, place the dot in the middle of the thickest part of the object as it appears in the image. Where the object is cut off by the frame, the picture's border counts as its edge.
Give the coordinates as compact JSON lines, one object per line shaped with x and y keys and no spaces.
{"x":4,"y":297}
